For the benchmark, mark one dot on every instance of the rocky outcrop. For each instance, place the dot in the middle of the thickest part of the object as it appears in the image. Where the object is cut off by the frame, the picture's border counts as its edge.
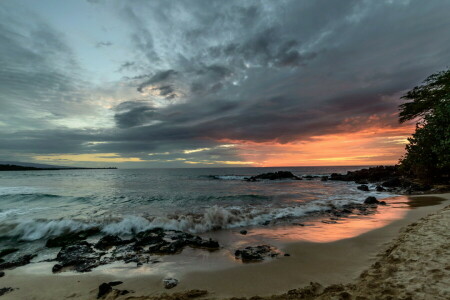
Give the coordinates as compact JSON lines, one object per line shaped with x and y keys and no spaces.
{"x":5,"y":290}
{"x":21,"y":261}
{"x":71,"y":238}
{"x":363,"y":187}
{"x":375,"y":174}
{"x":255,"y":253}
{"x":84,"y":256}
{"x":7,"y":251}
{"x":371,"y":200}
{"x":387,"y":177}
{"x":275,"y":176}
{"x":106,"y":289}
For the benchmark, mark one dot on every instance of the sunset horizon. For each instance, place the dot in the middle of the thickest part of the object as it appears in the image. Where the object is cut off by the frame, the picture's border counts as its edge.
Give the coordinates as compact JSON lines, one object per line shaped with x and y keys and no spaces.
{"x":212,"y":149}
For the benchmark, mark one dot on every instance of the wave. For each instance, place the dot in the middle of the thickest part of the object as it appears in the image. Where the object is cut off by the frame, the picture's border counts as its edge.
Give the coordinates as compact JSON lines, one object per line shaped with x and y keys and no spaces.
{"x":30,"y":197}
{"x":212,"y":218}
{"x":228,"y":177}
{"x":32,"y":230}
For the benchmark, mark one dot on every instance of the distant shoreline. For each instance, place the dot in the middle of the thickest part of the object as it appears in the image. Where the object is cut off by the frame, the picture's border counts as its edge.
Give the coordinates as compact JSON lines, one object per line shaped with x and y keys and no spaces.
{"x":23,"y":168}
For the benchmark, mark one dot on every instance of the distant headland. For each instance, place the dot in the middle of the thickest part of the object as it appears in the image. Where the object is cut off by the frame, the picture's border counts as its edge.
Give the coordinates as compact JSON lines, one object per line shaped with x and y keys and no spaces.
{"x":16,"y":167}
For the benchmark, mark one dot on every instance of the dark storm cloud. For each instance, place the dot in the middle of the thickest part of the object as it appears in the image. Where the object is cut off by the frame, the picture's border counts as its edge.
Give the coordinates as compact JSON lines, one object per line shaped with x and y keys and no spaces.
{"x":159,"y":77}
{"x":133,"y":113}
{"x":256,"y":71}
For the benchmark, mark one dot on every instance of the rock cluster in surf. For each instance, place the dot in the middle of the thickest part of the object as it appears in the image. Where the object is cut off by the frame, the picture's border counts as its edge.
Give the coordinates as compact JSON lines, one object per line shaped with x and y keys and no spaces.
{"x":83,"y":256}
{"x":255,"y":253}
{"x":274,"y":176}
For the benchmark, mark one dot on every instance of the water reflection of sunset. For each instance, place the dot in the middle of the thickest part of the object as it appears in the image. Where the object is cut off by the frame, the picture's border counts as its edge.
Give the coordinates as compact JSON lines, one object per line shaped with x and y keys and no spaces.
{"x":319,"y":232}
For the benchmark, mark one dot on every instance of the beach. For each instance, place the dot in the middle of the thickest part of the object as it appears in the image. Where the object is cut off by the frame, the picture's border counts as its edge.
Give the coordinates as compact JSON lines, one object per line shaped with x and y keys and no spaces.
{"x":396,"y":259}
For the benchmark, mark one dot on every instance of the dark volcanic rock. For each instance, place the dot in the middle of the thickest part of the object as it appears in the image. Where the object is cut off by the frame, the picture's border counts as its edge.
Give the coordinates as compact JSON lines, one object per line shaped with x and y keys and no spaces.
{"x":82,"y":257}
{"x":324,"y":178}
{"x":56,"y":268}
{"x":108,"y":241}
{"x":2,"y":274}
{"x":106,"y":288}
{"x":275,"y":176}
{"x":243,"y":232}
{"x":7,"y":251}
{"x":71,"y":238}
{"x":382,"y":203}
{"x":255,"y":253}
{"x":21,"y":261}
{"x":103,"y":290}
{"x":201,"y":243}
{"x":394,"y":182}
{"x":5,"y":290}
{"x":170,"y":283}
{"x":371,"y":200}
{"x":374,"y":174}
{"x":379,"y":188}
{"x":363,"y":187}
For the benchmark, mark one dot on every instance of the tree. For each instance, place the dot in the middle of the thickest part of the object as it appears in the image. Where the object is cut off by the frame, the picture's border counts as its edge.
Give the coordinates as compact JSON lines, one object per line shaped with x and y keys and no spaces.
{"x":428,"y":152}
{"x":434,"y":90}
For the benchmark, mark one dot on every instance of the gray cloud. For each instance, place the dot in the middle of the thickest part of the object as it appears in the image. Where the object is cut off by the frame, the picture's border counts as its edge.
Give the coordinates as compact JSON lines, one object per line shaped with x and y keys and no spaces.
{"x":255,"y":71}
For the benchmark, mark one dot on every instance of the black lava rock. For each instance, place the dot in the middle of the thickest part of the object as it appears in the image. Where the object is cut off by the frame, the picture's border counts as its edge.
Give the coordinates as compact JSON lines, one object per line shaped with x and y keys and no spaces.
{"x":5,"y":290}
{"x":371,"y":200}
{"x":363,"y":187}
{"x":255,"y":253}
{"x":170,"y":283}
{"x":109,"y":241}
{"x":275,"y":176}
{"x":379,"y":188}
{"x":103,"y":290}
{"x":7,"y":251}
{"x":21,"y":261}
{"x":81,"y":256}
{"x":71,"y":238}
{"x":243,"y":232}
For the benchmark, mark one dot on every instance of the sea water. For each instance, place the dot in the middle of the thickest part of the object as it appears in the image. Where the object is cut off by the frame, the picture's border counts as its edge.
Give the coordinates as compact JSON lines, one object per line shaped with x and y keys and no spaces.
{"x":37,"y":205}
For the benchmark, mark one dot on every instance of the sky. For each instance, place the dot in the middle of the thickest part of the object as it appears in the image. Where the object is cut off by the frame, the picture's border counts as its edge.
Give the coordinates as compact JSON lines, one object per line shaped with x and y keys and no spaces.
{"x":139,"y":84}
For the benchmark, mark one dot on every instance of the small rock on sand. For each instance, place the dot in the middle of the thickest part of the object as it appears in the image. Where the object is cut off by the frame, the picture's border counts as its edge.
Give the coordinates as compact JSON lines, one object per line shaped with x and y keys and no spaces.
{"x":170,"y":283}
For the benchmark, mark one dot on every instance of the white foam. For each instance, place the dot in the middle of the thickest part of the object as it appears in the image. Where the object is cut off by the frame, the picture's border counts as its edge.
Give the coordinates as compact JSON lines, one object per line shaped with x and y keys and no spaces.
{"x":231,"y":177}
{"x":34,"y":230}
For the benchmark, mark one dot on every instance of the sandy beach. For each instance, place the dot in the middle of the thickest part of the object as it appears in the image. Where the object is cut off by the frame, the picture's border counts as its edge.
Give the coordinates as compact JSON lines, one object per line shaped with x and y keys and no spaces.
{"x":388,"y":260}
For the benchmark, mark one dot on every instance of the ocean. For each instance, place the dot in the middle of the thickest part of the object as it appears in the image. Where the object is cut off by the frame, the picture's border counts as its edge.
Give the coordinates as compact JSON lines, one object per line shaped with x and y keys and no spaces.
{"x":37,"y":205}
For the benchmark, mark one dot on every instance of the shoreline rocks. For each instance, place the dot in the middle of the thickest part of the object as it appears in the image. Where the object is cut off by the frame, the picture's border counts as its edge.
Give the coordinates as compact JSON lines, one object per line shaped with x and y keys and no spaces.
{"x":279,"y":175}
{"x":21,"y":261}
{"x":388,"y":179}
{"x":255,"y":253}
{"x":84,"y":256}
{"x":170,"y":283}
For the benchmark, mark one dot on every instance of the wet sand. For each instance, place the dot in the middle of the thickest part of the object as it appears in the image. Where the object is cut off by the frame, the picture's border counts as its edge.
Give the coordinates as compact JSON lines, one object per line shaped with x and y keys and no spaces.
{"x":328,"y":254}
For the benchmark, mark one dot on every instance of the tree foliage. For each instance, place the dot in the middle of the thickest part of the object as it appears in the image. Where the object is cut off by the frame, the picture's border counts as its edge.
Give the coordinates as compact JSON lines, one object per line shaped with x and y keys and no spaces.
{"x":434,"y":90}
{"x":428,"y":152}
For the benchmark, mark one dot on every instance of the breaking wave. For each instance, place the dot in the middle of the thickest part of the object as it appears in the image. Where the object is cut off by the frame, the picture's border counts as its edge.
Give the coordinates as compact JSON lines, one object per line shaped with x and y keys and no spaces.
{"x":212,"y":218}
{"x":228,"y":177}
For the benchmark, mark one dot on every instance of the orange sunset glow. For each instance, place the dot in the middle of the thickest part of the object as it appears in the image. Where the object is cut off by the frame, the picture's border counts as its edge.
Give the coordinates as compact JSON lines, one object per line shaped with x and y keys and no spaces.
{"x":372,"y":146}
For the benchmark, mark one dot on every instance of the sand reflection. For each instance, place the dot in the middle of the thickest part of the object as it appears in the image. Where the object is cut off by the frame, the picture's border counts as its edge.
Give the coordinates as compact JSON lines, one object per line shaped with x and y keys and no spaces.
{"x":318,"y":232}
